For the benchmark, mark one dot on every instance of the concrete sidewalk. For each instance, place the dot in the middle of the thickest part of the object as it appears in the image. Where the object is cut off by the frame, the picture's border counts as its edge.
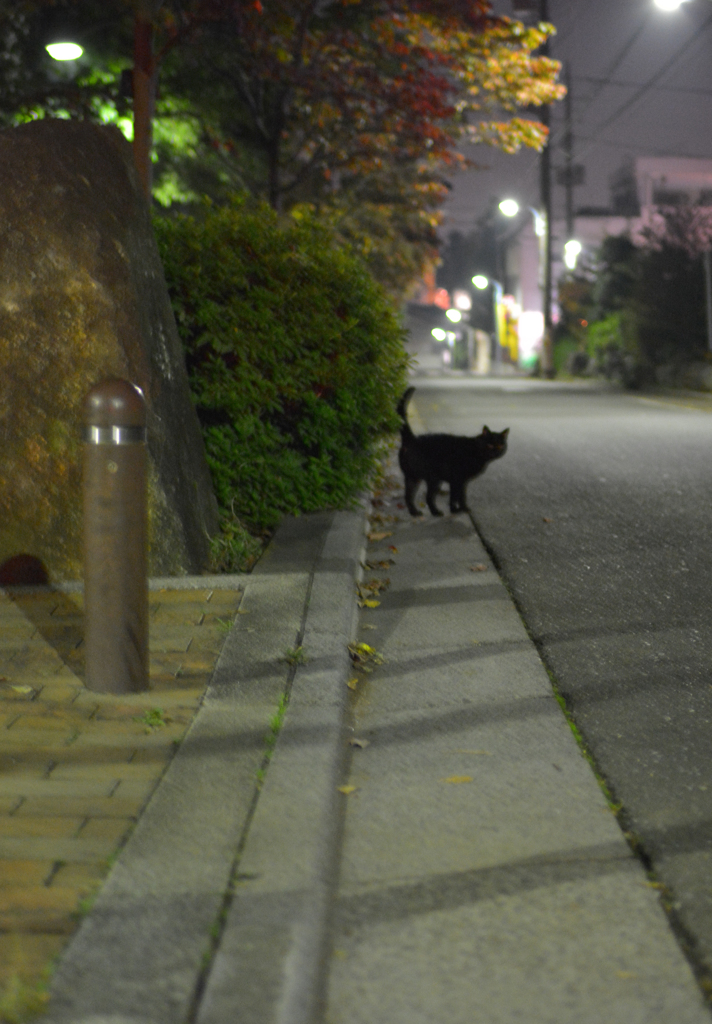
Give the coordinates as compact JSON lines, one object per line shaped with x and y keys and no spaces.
{"x":418,"y":838}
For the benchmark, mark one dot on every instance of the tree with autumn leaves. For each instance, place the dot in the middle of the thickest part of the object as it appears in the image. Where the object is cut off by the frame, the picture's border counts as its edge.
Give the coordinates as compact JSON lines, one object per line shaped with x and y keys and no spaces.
{"x":357,"y":109}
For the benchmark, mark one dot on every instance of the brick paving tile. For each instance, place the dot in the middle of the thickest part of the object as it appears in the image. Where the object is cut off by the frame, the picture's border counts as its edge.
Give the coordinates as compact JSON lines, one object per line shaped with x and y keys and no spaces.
{"x":100,"y":775}
{"x":79,"y":807}
{"x":113,"y":830}
{"x":76,"y":767}
{"x":46,"y":828}
{"x":85,"y":878}
{"x":44,"y":848}
{"x":27,"y":955}
{"x":91,"y":787}
{"x":26,"y":872}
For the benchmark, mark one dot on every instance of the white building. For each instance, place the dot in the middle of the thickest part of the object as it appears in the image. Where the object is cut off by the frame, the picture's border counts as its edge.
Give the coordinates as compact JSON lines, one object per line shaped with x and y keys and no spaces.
{"x":659,"y":181}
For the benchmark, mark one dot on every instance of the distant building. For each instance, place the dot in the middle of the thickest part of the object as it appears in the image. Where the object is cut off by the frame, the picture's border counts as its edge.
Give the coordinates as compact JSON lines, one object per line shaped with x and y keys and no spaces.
{"x":645,"y":183}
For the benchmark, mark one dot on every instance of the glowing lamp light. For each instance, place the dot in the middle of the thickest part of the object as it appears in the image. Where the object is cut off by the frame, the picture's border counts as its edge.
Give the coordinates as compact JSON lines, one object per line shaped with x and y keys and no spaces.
{"x":64,"y":51}
{"x":439,"y":334}
{"x":572,"y":251}
{"x":454,"y":315}
{"x":480,"y":281}
{"x":509,"y":207}
{"x":461,"y":300}
{"x":669,"y":5}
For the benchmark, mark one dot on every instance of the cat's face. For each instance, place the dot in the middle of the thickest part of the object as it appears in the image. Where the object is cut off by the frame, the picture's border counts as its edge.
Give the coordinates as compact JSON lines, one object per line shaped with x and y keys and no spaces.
{"x":494,"y":444}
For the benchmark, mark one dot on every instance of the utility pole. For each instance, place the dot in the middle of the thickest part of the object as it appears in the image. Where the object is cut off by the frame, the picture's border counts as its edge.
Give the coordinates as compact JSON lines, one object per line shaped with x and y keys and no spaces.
{"x":547,"y":361}
{"x":145,"y":75}
{"x":569,"y":173}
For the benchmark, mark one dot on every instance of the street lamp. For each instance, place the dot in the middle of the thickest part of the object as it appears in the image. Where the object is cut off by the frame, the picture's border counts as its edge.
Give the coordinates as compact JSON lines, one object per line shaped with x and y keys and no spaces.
{"x":669,"y":5}
{"x":64,"y":50}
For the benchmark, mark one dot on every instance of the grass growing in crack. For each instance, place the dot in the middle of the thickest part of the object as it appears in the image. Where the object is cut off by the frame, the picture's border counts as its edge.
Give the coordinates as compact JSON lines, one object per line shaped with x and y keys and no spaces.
{"x":275,"y":727}
{"x":295,"y":656}
{"x":615,"y":807}
{"x":276,"y":722}
{"x":151,"y":719}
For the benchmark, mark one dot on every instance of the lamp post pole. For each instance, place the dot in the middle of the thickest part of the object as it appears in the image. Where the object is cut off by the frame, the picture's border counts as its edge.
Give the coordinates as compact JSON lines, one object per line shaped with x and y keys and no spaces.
{"x":547,"y":360}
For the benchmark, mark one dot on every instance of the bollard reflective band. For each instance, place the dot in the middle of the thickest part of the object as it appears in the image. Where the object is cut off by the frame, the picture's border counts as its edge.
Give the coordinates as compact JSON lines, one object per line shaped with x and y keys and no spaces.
{"x":114,"y":435}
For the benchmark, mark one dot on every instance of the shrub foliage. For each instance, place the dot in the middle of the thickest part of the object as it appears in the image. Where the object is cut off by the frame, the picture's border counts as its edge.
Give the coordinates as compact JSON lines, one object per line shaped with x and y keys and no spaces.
{"x":295,"y":357}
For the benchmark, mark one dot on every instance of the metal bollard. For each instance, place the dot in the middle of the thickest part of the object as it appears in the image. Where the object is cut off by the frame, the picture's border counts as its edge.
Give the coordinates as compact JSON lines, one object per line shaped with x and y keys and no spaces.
{"x":115,"y":539}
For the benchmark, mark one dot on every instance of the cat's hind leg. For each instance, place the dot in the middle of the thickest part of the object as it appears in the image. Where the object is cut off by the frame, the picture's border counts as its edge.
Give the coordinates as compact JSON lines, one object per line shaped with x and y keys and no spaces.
{"x":411,"y":486}
{"x":431,"y":495}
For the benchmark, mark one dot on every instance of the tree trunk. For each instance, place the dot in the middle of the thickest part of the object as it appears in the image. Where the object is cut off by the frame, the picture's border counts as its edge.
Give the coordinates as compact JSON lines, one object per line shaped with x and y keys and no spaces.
{"x":144,"y":94}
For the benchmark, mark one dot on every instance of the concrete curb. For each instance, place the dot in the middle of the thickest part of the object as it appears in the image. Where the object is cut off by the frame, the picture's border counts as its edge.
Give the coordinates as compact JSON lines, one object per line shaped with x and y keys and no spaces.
{"x":143,"y":954}
{"x":271,"y":960}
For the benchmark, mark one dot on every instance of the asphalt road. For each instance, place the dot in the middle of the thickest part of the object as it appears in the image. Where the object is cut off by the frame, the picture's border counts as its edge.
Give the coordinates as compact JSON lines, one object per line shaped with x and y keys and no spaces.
{"x":600,"y":520}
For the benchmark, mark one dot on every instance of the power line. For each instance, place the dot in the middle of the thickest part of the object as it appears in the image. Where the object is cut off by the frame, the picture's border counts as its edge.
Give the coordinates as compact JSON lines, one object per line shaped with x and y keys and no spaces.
{"x":651,"y":81}
{"x":632,"y":85}
{"x":618,"y":60}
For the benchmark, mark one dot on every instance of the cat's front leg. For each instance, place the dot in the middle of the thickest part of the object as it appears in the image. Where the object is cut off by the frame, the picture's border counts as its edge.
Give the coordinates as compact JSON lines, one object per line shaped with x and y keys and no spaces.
{"x":457,"y":498}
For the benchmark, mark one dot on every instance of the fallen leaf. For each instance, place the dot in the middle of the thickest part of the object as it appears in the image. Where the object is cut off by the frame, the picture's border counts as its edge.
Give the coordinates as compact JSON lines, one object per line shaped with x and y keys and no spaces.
{"x":547,"y":520}
{"x":381,"y":535}
{"x":456,"y":779}
{"x":480,"y":567}
{"x":359,"y":743}
{"x":368,"y":603}
{"x":353,"y":683}
{"x":346,"y":789}
{"x":22,"y":689}
{"x":391,"y":547}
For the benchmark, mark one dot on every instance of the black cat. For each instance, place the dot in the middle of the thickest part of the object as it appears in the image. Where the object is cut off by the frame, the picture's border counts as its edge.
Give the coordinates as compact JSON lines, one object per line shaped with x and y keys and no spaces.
{"x":438,"y":457}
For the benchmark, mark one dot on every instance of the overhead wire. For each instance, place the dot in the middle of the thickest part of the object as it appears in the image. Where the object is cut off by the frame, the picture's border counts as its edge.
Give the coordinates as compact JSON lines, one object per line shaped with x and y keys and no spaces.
{"x":647,"y":86}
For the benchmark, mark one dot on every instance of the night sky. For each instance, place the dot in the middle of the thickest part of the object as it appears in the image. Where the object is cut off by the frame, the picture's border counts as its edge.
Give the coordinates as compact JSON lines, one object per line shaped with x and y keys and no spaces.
{"x":642,"y":86}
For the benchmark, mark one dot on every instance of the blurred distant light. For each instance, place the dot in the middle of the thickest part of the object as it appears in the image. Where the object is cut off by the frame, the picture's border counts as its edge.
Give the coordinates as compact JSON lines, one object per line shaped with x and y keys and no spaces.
{"x":572,"y":251}
{"x":439,"y":334}
{"x":455,"y":315}
{"x":480,"y":281}
{"x":531,"y":334}
{"x":509,"y":207}
{"x":461,"y":300}
{"x":669,"y":5}
{"x":64,"y":51}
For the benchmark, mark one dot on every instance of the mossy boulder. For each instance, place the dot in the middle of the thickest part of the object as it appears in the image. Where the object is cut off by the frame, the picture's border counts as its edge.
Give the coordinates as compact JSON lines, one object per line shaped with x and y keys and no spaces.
{"x":82,"y":298}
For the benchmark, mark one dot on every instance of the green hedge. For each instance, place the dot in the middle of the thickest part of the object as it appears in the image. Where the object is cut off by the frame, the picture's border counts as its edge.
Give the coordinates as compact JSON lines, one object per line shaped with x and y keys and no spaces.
{"x":295,"y":357}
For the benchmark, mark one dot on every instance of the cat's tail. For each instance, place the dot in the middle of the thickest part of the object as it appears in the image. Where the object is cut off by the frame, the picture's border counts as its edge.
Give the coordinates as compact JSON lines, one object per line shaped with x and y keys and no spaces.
{"x":406,"y":432}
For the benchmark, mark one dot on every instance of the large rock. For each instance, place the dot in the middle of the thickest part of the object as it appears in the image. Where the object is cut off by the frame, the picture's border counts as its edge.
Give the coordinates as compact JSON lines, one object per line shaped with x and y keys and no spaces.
{"x":82,"y":298}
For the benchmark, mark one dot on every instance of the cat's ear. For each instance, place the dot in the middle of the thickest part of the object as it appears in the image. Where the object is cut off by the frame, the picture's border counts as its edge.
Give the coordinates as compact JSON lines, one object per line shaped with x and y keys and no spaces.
{"x":505,"y":432}
{"x":486,"y":430}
